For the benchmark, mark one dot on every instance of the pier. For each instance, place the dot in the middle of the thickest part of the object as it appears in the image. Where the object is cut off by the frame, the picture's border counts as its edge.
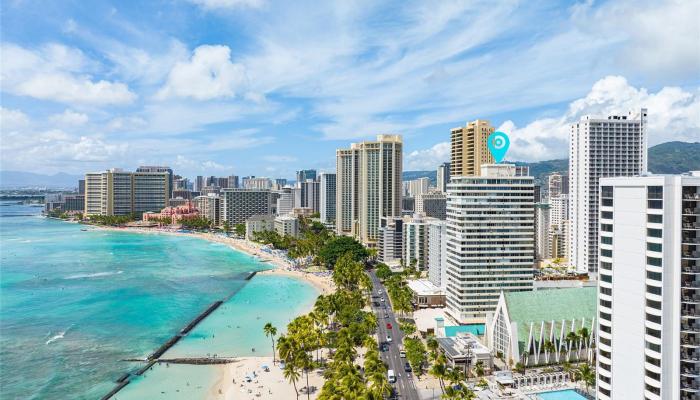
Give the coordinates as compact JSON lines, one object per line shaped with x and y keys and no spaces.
{"x":251,"y":275}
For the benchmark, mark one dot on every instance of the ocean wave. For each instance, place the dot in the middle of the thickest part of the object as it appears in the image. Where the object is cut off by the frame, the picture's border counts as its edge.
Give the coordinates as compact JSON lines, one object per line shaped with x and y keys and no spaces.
{"x":93,"y":275}
{"x":58,"y":336}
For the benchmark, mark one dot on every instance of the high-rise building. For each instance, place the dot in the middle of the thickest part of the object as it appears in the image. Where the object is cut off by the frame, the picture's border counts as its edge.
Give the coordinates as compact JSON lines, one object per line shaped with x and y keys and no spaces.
{"x":557,"y":183}
{"x":306,"y":174}
{"x":559,"y":226}
{"x":209,"y":207}
{"x":432,"y":204}
{"x":161,"y":169}
{"x":368,"y":186}
{"x":241,"y":204}
{"x":233,"y":181}
{"x":280,"y":183}
{"x":285,"y":201}
{"x":470,"y":148}
{"x":310,"y":192}
{"x":437,"y":253}
{"x":649,"y":288}
{"x":81,"y":186}
{"x":417,"y":186}
{"x":490,"y":240}
{"x":415,"y":242}
{"x":390,"y":243}
{"x":118,"y":192}
{"x":542,"y":230}
{"x":258,"y":183}
{"x":616,"y":146}
{"x":199,"y":183}
{"x":327,"y":190}
{"x":443,"y":177}
{"x":408,"y":205}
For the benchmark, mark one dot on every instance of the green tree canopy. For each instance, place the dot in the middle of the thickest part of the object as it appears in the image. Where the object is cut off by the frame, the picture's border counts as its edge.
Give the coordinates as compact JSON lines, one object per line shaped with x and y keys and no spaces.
{"x":339,"y":246}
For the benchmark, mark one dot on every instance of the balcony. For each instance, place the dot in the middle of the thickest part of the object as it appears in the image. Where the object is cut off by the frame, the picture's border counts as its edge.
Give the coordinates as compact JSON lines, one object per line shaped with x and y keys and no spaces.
{"x":690,"y":341}
{"x":691,"y":211}
{"x":690,"y":310}
{"x":687,"y":327}
{"x":690,"y":254}
{"x":691,"y":196}
{"x":690,"y":355}
{"x":690,"y":284}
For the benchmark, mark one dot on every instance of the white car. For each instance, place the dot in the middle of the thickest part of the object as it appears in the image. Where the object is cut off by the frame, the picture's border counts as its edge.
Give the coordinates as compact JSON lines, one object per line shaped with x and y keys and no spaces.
{"x":388,"y":339}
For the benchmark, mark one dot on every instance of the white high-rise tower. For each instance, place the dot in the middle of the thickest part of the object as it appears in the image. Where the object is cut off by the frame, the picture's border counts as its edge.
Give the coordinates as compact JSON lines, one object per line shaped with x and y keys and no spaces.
{"x":616,"y":146}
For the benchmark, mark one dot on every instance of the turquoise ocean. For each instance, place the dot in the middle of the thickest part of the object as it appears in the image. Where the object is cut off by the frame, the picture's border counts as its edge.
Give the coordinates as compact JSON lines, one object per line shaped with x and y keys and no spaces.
{"x":75,"y":301}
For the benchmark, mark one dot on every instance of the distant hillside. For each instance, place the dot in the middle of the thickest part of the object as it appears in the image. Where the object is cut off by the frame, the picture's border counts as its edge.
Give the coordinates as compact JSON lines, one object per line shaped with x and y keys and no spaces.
{"x":664,"y":158}
{"x":674,"y":158}
{"x":411,"y":175}
{"x":19,"y":179}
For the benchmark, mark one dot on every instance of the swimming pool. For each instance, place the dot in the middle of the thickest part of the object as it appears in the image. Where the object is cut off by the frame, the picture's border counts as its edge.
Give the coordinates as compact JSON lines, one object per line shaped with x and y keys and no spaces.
{"x":476,"y":329}
{"x":567,"y":394}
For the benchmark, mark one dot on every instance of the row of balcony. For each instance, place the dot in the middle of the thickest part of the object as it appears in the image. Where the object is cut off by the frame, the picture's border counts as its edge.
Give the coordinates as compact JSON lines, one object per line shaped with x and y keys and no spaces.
{"x":690,"y":327}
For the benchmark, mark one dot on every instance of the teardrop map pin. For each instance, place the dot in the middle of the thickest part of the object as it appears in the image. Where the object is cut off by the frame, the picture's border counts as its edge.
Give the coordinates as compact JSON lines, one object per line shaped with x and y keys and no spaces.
{"x":498,"y":144}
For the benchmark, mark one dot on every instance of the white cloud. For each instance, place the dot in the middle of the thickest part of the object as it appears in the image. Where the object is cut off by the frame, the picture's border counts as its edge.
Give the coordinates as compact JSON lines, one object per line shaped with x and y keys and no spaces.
{"x":57,"y":73}
{"x":187,"y":164}
{"x":69,"y":117}
{"x":419,"y":160}
{"x":12,"y":119}
{"x":674,"y":114}
{"x":209,"y":74}
{"x":228,"y":4}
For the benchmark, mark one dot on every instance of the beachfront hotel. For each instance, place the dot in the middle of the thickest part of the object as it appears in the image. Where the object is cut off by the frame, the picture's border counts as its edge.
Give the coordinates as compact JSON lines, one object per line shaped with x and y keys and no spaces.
{"x":368,"y":186}
{"x":615,"y":146}
{"x":327,"y":204}
{"x":119,"y":192}
{"x":490,"y":240}
{"x":469,"y":148}
{"x":238,"y":205}
{"x":649,"y":288}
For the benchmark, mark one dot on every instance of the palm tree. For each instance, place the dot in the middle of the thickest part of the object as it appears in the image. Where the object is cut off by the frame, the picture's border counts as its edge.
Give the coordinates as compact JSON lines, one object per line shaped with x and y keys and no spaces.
{"x":548,"y":348}
{"x":439,"y":370}
{"x":271,"y":331}
{"x":292,"y":374}
{"x":479,"y":368}
{"x":433,"y":345}
{"x":587,"y":375}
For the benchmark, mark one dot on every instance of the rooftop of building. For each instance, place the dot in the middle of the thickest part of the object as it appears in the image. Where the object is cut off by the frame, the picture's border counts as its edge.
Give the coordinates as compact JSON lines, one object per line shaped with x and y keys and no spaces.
{"x":261,"y":218}
{"x":553,"y":307}
{"x":456,"y":347}
{"x":424,"y":287}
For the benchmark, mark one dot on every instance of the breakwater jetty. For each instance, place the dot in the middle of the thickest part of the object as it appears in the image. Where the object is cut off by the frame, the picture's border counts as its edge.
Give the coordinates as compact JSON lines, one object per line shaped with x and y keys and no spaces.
{"x":155,"y":357}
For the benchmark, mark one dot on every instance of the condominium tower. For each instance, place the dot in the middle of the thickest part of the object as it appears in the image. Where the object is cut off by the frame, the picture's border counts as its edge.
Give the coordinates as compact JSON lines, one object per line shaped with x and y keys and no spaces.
{"x":368,"y":186}
{"x":490,"y":240}
{"x":443,"y":177}
{"x":240,"y":204}
{"x":616,"y":146}
{"x":649,"y":288}
{"x":470,"y":148}
{"x":327,"y":190}
{"x":118,"y":192}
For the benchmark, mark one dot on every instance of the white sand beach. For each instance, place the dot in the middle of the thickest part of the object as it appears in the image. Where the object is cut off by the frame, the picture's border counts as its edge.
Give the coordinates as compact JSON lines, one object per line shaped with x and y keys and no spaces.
{"x":232,"y":382}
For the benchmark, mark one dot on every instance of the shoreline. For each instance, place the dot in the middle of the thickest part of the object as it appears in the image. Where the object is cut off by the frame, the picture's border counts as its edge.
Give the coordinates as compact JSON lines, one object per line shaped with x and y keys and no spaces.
{"x":281,"y":266}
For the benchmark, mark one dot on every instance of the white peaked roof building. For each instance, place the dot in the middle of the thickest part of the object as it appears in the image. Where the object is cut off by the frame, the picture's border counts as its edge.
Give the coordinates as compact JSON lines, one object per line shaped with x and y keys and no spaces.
{"x":544,"y":326}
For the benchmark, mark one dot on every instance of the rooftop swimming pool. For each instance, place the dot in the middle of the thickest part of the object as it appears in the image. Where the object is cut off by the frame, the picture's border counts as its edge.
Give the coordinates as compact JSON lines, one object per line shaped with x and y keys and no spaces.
{"x":476,"y":329}
{"x":568,"y":394}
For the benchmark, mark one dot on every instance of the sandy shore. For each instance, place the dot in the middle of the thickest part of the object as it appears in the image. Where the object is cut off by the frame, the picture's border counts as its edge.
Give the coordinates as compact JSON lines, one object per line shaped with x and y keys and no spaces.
{"x":232,"y":384}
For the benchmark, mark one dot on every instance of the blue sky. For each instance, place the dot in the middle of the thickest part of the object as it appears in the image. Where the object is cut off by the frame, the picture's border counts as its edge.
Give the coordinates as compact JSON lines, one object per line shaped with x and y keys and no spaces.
{"x":215,"y":87}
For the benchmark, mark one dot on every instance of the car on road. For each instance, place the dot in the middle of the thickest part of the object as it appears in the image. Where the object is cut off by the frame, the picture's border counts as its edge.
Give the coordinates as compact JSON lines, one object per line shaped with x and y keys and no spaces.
{"x":388,"y":325}
{"x":402,"y":352}
{"x":383,"y":300}
{"x":384,"y":346}
{"x":391,"y":376}
{"x":407,"y":367}
{"x":388,"y":339}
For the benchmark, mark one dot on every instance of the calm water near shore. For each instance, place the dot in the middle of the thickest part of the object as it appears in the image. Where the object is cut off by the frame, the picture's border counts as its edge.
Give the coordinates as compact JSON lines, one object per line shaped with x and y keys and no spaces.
{"x":74,"y":302}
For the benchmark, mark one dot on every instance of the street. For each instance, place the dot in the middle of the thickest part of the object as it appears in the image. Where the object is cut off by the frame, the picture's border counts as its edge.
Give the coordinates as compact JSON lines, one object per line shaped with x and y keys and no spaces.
{"x":404,"y":386}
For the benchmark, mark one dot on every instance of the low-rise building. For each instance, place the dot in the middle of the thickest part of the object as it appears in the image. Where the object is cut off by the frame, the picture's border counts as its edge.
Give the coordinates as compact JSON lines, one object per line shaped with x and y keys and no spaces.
{"x":426,"y":294}
{"x":544,"y":326}
{"x":173,"y":214}
{"x":209,"y":207}
{"x":465,"y":351}
{"x":287,"y":225}
{"x":258,"y":223}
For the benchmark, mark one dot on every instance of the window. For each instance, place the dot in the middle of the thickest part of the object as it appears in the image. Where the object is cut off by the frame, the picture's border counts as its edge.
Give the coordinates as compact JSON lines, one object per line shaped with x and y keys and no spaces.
{"x":654,"y":290}
{"x":606,"y":278}
{"x":606,"y":191}
{"x":655,"y":261}
{"x":606,"y":240}
{"x":605,"y":303}
{"x":655,"y":192}
{"x":605,"y":316}
{"x":654,"y":304}
{"x":653,"y":375}
{"x":606,"y":253}
{"x":607,"y":202}
{"x":655,"y":218}
{"x":654,"y":232}
{"x":653,"y":332}
{"x":656,"y":276}
{"x":606,"y":227}
{"x":654,"y":247}
{"x":654,"y":318}
{"x":653,"y":347}
{"x":607,"y":291}
{"x":606,"y":215}
{"x":655,"y":204}
{"x":653,"y":361}
{"x":606,"y":265}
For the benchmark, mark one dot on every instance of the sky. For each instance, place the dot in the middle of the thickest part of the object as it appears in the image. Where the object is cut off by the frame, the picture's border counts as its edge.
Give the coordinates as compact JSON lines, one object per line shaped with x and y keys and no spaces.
{"x":265,"y":88}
